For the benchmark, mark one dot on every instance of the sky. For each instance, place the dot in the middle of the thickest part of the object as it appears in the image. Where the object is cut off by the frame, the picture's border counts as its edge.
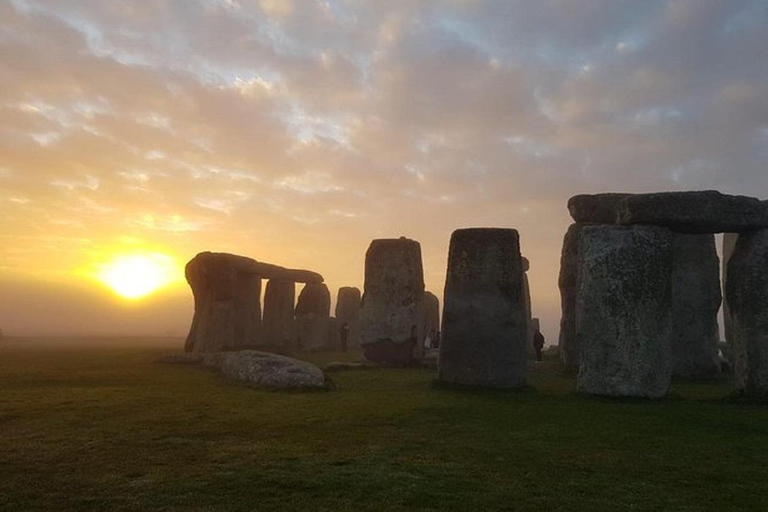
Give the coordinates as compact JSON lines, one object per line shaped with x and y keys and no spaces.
{"x":295,"y":132}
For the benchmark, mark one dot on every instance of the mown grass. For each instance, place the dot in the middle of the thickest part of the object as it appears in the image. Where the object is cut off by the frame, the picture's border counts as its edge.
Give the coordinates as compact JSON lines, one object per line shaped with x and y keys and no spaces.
{"x":102,"y":426}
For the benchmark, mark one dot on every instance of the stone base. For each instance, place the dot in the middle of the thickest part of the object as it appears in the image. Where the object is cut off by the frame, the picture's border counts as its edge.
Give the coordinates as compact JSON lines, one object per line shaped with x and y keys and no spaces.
{"x":387,"y":351}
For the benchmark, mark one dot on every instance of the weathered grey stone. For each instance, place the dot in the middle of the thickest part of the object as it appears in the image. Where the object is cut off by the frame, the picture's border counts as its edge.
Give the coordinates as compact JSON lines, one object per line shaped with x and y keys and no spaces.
{"x":595,"y":208}
{"x":484,"y":324}
{"x":431,"y":310}
{"x":227,"y":297}
{"x":278,"y":321}
{"x":695,"y":303}
{"x":729,"y":244}
{"x":747,"y":293}
{"x":706,"y":211}
{"x":568,"y":283}
{"x":312,"y":312}
{"x":391,"y":317}
{"x":334,"y":334}
{"x":623,"y":311}
{"x":348,"y":312}
{"x":271,"y":371}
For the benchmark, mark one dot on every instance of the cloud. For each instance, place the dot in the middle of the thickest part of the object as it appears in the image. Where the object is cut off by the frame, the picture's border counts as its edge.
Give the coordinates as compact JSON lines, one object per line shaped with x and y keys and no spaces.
{"x":296,"y":132}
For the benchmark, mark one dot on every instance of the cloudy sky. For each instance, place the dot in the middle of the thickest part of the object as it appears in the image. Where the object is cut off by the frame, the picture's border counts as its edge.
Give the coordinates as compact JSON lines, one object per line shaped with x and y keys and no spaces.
{"x":295,"y":131}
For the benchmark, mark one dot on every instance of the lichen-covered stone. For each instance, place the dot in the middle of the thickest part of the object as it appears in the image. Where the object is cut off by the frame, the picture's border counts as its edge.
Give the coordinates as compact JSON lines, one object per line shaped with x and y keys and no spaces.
{"x":278,"y":322}
{"x":707,"y":211}
{"x":484,"y":320}
{"x":568,"y":282}
{"x":696,"y":301}
{"x":270,"y":371}
{"x":595,"y":208}
{"x":623,"y":311}
{"x":227,"y":294}
{"x":747,"y":293}
{"x":348,"y":312}
{"x":391,"y":316}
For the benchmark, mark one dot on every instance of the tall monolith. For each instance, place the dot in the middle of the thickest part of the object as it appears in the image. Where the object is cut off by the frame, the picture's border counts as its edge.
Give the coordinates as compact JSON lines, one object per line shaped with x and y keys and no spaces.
{"x":624,"y":311}
{"x":568,"y":281}
{"x":312,"y":313}
{"x":391,"y":317}
{"x":696,"y":301}
{"x":278,"y":322}
{"x":348,"y":313}
{"x":747,"y":293}
{"x":431,"y":317}
{"x":484,"y":319}
{"x":729,"y":244}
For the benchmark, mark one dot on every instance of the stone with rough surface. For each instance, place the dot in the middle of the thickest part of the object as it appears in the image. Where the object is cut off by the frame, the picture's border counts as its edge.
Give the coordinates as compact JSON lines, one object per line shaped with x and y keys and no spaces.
{"x":227,"y":294}
{"x":391,"y":316}
{"x":348,"y":312}
{"x":696,"y":301}
{"x":484,"y":320}
{"x":595,"y":208}
{"x":278,"y":321}
{"x":707,"y":211}
{"x":568,"y":282}
{"x":270,"y":371}
{"x":747,"y":292}
{"x":623,"y":311}
{"x":431,"y":315}
{"x":312,"y":313}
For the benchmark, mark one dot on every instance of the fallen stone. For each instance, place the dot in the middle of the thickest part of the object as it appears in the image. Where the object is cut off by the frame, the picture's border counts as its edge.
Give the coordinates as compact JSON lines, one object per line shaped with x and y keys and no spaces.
{"x":271,"y":371}
{"x":227,"y":297}
{"x":595,"y":208}
{"x":391,"y":316}
{"x":278,"y":322}
{"x":568,"y":283}
{"x":484,"y":320}
{"x":747,"y":293}
{"x":696,"y":301}
{"x":623,"y":311}
{"x":702,"y":212}
{"x":348,"y":312}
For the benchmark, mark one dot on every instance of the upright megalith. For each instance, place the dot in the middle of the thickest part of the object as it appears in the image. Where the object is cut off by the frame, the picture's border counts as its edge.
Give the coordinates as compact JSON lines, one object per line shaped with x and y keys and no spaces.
{"x":706,"y":211}
{"x":227,"y":293}
{"x":623,"y":311}
{"x":729,"y":244}
{"x":431,"y":317}
{"x":568,"y":343}
{"x":348,"y":313}
{"x":391,"y":317}
{"x":278,"y":322}
{"x":313,"y":309}
{"x":696,"y":301}
{"x":484,"y":320}
{"x":747,"y":294}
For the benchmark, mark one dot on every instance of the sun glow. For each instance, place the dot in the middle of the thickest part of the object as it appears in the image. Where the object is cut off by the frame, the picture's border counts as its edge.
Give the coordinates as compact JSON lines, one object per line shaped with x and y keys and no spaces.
{"x":138,"y":275}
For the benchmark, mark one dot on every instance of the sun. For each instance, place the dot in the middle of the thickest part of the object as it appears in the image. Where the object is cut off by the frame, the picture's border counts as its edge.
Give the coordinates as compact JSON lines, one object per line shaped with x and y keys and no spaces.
{"x":134,"y":276}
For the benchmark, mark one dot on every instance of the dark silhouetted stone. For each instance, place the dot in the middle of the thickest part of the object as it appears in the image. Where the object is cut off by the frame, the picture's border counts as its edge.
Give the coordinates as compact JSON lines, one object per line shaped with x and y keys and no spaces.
{"x":695,"y":303}
{"x":568,"y":282}
{"x":595,"y":208}
{"x":623,"y":311}
{"x":431,"y":315}
{"x":312,"y":312}
{"x":729,"y":244}
{"x":391,"y":316}
{"x":348,"y":312}
{"x":278,"y":321}
{"x":705,"y":211}
{"x":484,"y":320}
{"x":227,"y":295}
{"x":747,"y":293}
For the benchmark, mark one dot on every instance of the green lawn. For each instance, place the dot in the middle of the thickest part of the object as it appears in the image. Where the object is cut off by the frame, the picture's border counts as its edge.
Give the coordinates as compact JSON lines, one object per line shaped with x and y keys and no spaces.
{"x":102,"y":426}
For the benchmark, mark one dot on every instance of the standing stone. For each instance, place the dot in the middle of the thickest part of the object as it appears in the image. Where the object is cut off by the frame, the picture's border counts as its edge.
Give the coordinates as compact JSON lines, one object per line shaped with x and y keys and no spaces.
{"x":568,"y":281}
{"x":278,"y":322}
{"x":391,"y":317}
{"x":312,"y":313}
{"x":348,"y":312}
{"x":227,"y":295}
{"x":334,"y":334}
{"x":747,"y":293}
{"x":484,"y":322}
{"x":729,"y":244}
{"x":695,"y":303}
{"x":623,"y":311}
{"x":431,"y":315}
{"x":529,"y":330}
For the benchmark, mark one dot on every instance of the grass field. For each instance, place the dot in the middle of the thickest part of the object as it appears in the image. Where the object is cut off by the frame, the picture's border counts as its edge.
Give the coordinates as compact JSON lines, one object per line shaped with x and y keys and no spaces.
{"x":100,"y":425}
